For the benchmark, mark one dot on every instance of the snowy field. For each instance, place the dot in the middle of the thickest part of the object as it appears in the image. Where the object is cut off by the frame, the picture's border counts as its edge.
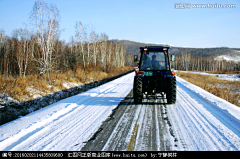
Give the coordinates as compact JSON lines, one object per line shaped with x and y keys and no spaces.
{"x":229,"y":77}
{"x":200,"y":120}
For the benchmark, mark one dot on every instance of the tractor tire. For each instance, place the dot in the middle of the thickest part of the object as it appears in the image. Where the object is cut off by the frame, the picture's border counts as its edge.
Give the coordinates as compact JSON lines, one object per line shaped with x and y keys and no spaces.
{"x":137,"y":90}
{"x":171,"y":90}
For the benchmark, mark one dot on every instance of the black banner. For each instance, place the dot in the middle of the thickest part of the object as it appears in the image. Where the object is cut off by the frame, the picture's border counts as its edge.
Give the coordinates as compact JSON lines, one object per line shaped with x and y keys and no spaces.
{"x":107,"y":154}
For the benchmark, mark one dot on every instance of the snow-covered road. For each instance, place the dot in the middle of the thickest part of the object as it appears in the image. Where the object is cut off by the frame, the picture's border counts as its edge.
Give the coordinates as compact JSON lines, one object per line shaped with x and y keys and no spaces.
{"x":94,"y":120}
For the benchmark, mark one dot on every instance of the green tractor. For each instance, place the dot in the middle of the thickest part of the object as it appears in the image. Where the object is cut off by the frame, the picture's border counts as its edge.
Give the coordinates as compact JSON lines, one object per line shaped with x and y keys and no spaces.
{"x":153,"y":75}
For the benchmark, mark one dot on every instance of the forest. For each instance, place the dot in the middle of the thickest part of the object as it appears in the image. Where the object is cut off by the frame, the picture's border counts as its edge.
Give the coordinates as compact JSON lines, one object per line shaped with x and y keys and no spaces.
{"x":187,"y":62}
{"x":36,"y":48}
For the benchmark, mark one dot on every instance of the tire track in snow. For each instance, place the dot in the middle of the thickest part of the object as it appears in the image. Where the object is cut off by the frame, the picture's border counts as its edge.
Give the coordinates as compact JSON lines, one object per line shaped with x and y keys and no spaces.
{"x":153,"y":131}
{"x":193,"y":125}
{"x":208,"y":130}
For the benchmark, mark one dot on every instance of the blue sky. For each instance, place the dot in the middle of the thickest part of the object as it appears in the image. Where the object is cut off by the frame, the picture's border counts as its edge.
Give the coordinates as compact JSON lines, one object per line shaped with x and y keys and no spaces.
{"x":149,"y":21}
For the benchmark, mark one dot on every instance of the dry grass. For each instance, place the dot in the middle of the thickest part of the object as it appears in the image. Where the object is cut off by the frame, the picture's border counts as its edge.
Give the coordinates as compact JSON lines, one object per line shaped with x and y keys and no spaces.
{"x":222,"y":88}
{"x":59,"y":84}
{"x":17,"y":87}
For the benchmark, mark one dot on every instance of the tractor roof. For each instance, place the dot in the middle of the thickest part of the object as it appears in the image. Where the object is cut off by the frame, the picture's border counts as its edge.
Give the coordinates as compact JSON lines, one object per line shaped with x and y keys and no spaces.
{"x":154,"y":48}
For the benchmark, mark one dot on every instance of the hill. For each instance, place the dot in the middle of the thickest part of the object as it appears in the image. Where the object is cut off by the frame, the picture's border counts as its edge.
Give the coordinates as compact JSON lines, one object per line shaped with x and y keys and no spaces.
{"x":133,"y":48}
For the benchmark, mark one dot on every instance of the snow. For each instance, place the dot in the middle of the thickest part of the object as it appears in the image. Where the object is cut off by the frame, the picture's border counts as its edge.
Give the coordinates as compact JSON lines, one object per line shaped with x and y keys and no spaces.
{"x":222,"y":105}
{"x":34,"y":92}
{"x":5,"y":99}
{"x":228,"y":77}
{"x":71,"y":84}
{"x":228,"y":58}
{"x":37,"y":94}
{"x":203,"y":121}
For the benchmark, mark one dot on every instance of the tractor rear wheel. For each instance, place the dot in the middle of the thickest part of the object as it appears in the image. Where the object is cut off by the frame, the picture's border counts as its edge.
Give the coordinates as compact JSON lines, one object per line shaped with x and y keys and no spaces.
{"x":171,"y":90}
{"x":137,"y":90}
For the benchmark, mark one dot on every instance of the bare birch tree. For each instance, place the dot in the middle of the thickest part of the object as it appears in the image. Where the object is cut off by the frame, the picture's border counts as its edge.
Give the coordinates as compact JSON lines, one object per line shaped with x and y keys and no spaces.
{"x":110,"y":51}
{"x":103,"y":49}
{"x":94,"y":39}
{"x":2,"y":34}
{"x":80,"y":34}
{"x":117,"y":59}
{"x":89,"y":41}
{"x":23,"y":49}
{"x":45,"y":21}
{"x":122,"y":55}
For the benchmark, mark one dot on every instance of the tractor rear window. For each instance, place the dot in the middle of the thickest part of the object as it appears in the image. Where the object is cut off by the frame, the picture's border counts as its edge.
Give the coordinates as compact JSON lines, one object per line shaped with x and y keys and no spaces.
{"x":154,"y":61}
